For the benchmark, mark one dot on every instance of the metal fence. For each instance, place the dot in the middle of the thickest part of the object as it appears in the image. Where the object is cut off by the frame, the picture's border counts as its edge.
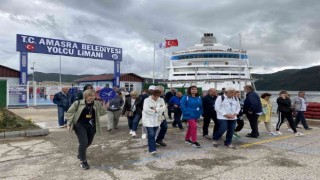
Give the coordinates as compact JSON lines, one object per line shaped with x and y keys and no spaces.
{"x":34,"y":94}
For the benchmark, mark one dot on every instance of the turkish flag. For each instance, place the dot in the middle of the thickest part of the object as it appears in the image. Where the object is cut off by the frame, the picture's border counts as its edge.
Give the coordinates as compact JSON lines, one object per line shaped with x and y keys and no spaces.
{"x":30,"y":47}
{"x":170,"y":43}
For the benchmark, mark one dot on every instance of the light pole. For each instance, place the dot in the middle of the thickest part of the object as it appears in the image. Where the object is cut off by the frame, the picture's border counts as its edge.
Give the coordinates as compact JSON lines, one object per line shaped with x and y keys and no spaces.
{"x":33,"y":85}
{"x":33,"y":69}
{"x":60,"y":72}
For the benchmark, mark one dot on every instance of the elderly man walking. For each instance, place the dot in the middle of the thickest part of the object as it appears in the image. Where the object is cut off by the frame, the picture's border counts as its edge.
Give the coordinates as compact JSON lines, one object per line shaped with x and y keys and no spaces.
{"x":253,"y":109}
{"x":209,"y":112}
{"x":300,"y":105}
{"x":63,"y":100}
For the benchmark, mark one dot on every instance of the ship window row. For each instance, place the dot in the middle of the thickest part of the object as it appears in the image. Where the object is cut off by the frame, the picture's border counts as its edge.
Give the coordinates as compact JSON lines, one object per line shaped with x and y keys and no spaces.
{"x":210,"y":74}
{"x":215,"y":55}
{"x":208,"y":69}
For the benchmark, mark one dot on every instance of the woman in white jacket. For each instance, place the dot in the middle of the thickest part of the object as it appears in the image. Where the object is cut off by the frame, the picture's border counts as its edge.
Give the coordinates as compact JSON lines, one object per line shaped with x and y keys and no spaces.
{"x":153,"y":107}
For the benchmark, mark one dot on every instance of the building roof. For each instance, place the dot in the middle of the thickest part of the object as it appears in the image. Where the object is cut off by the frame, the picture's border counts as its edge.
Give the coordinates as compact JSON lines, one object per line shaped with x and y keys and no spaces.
{"x":8,"y":72}
{"x":109,"y":77}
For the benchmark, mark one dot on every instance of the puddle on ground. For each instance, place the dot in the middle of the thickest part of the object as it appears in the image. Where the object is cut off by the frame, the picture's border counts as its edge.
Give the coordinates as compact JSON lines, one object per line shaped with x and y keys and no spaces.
{"x":283,"y":162}
{"x":210,"y":163}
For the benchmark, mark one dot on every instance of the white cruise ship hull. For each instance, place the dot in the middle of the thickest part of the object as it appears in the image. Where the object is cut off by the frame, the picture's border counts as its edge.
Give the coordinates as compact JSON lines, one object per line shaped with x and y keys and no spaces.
{"x":209,"y":65}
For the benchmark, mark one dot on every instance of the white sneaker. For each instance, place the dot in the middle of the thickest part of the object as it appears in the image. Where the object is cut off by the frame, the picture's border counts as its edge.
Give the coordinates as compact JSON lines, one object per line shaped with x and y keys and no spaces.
{"x":144,"y":136}
{"x":130,"y":132}
{"x":134,"y":134}
{"x":290,"y":130}
{"x":272,"y":133}
{"x":298,"y":134}
{"x":278,"y":132}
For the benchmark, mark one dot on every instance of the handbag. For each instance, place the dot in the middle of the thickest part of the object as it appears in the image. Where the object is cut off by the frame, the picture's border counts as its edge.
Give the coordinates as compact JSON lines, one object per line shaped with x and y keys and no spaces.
{"x":129,"y":113}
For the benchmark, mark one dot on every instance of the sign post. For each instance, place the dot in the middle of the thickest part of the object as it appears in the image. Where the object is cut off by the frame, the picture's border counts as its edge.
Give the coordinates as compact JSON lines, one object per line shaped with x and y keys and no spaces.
{"x":33,"y":44}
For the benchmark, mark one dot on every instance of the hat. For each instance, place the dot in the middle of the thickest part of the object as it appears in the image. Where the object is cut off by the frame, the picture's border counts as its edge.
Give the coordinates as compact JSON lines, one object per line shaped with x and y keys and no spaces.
{"x":152,"y":87}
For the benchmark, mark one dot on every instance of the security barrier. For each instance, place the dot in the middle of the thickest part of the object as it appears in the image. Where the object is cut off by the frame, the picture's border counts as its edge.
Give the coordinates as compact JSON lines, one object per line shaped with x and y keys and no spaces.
{"x":313,"y":110}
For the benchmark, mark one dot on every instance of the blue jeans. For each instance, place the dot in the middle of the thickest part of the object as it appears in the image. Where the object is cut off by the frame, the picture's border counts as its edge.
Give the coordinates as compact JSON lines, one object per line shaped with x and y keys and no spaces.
{"x":135,"y":122}
{"x":163,"y":130}
{"x":61,"y":119}
{"x":225,"y":125}
{"x":300,"y":117}
{"x":152,"y":138}
{"x":130,"y":120}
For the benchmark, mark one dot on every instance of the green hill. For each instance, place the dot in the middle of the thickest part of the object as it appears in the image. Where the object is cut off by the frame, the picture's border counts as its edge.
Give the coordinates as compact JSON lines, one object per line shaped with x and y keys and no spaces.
{"x":40,"y":77}
{"x":307,"y":79}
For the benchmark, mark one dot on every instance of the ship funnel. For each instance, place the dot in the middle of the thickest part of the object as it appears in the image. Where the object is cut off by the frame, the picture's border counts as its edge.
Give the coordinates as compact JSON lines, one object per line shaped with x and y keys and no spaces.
{"x":208,"y":38}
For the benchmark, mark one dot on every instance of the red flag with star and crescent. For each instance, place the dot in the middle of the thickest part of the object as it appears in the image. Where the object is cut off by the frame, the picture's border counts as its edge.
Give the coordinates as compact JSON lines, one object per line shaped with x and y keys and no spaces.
{"x":30,"y":47}
{"x":173,"y":42}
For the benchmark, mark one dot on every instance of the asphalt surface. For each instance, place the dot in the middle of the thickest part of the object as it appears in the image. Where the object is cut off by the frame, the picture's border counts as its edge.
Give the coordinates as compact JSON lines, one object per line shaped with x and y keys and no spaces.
{"x":118,"y":156}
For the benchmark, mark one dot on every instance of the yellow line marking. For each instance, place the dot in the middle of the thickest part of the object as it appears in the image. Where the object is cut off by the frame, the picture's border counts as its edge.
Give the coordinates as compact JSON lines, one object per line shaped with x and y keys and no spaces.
{"x":270,"y":140}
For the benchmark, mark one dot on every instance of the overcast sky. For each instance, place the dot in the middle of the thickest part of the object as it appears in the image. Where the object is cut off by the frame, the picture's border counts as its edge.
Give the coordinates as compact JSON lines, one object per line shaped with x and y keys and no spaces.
{"x":277,"y":34}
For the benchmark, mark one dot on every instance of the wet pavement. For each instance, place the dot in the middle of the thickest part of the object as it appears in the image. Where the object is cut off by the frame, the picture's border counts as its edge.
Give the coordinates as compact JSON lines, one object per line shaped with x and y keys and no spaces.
{"x":118,"y":156}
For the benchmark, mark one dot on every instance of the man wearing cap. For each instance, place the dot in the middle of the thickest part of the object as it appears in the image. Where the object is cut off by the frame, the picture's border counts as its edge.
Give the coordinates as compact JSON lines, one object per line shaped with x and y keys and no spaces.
{"x":114,"y":111}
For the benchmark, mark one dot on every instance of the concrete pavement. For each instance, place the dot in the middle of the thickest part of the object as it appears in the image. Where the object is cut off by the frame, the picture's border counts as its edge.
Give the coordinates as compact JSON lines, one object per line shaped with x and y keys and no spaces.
{"x":118,"y":156}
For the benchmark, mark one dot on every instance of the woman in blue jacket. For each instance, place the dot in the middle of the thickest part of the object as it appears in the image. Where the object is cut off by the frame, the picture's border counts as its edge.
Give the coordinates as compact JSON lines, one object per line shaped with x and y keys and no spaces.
{"x":191,"y":107}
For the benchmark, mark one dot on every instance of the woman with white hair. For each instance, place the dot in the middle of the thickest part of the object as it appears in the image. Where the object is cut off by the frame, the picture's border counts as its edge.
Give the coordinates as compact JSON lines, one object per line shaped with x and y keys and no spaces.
{"x":227,"y":108}
{"x":84,"y":117}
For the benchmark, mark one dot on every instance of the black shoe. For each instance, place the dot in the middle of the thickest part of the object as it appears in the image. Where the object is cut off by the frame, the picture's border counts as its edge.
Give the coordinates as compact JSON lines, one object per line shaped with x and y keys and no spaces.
{"x":188,"y":142}
{"x":161,"y":143}
{"x":250,"y":136}
{"x":84,"y":165}
{"x":308,"y":128}
{"x":196,"y":144}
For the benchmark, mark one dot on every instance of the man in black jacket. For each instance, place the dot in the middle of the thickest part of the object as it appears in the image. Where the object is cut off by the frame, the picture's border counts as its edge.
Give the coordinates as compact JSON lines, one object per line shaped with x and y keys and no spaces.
{"x":253,"y":109}
{"x":209,"y":112}
{"x":63,"y":100}
{"x":168,"y":96}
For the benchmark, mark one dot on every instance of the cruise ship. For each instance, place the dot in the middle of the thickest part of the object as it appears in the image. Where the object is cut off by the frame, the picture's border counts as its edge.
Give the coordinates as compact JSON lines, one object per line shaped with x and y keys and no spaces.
{"x":209,"y":65}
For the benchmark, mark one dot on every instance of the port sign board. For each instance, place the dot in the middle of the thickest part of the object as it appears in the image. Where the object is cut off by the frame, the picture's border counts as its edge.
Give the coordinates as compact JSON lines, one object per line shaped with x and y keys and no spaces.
{"x":34,"y":44}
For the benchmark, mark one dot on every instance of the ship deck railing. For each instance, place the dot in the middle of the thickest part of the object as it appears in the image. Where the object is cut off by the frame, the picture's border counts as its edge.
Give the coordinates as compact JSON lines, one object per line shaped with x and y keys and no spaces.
{"x":210,"y":50}
{"x":209,"y":80}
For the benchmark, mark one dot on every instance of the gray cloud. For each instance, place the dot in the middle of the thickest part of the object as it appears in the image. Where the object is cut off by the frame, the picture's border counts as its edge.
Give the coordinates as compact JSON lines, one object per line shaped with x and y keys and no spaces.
{"x":276,"y":34}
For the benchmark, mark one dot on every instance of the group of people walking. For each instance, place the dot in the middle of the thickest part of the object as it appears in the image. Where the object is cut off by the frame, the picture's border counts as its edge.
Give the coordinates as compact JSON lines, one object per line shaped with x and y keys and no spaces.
{"x":225,"y":110}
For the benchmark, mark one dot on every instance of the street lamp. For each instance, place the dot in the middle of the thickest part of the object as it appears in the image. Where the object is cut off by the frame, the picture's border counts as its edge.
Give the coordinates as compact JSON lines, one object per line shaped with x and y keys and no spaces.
{"x":33,"y":69}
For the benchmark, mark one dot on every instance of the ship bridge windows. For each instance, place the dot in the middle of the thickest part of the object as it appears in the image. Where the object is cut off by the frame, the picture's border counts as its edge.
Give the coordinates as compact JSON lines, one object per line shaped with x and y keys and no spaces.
{"x":235,"y":75}
{"x":209,"y":55}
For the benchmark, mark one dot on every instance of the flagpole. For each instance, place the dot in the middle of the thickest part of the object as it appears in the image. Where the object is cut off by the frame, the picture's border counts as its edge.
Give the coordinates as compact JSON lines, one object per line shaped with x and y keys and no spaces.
{"x":154,"y":60}
{"x":164,"y":64}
